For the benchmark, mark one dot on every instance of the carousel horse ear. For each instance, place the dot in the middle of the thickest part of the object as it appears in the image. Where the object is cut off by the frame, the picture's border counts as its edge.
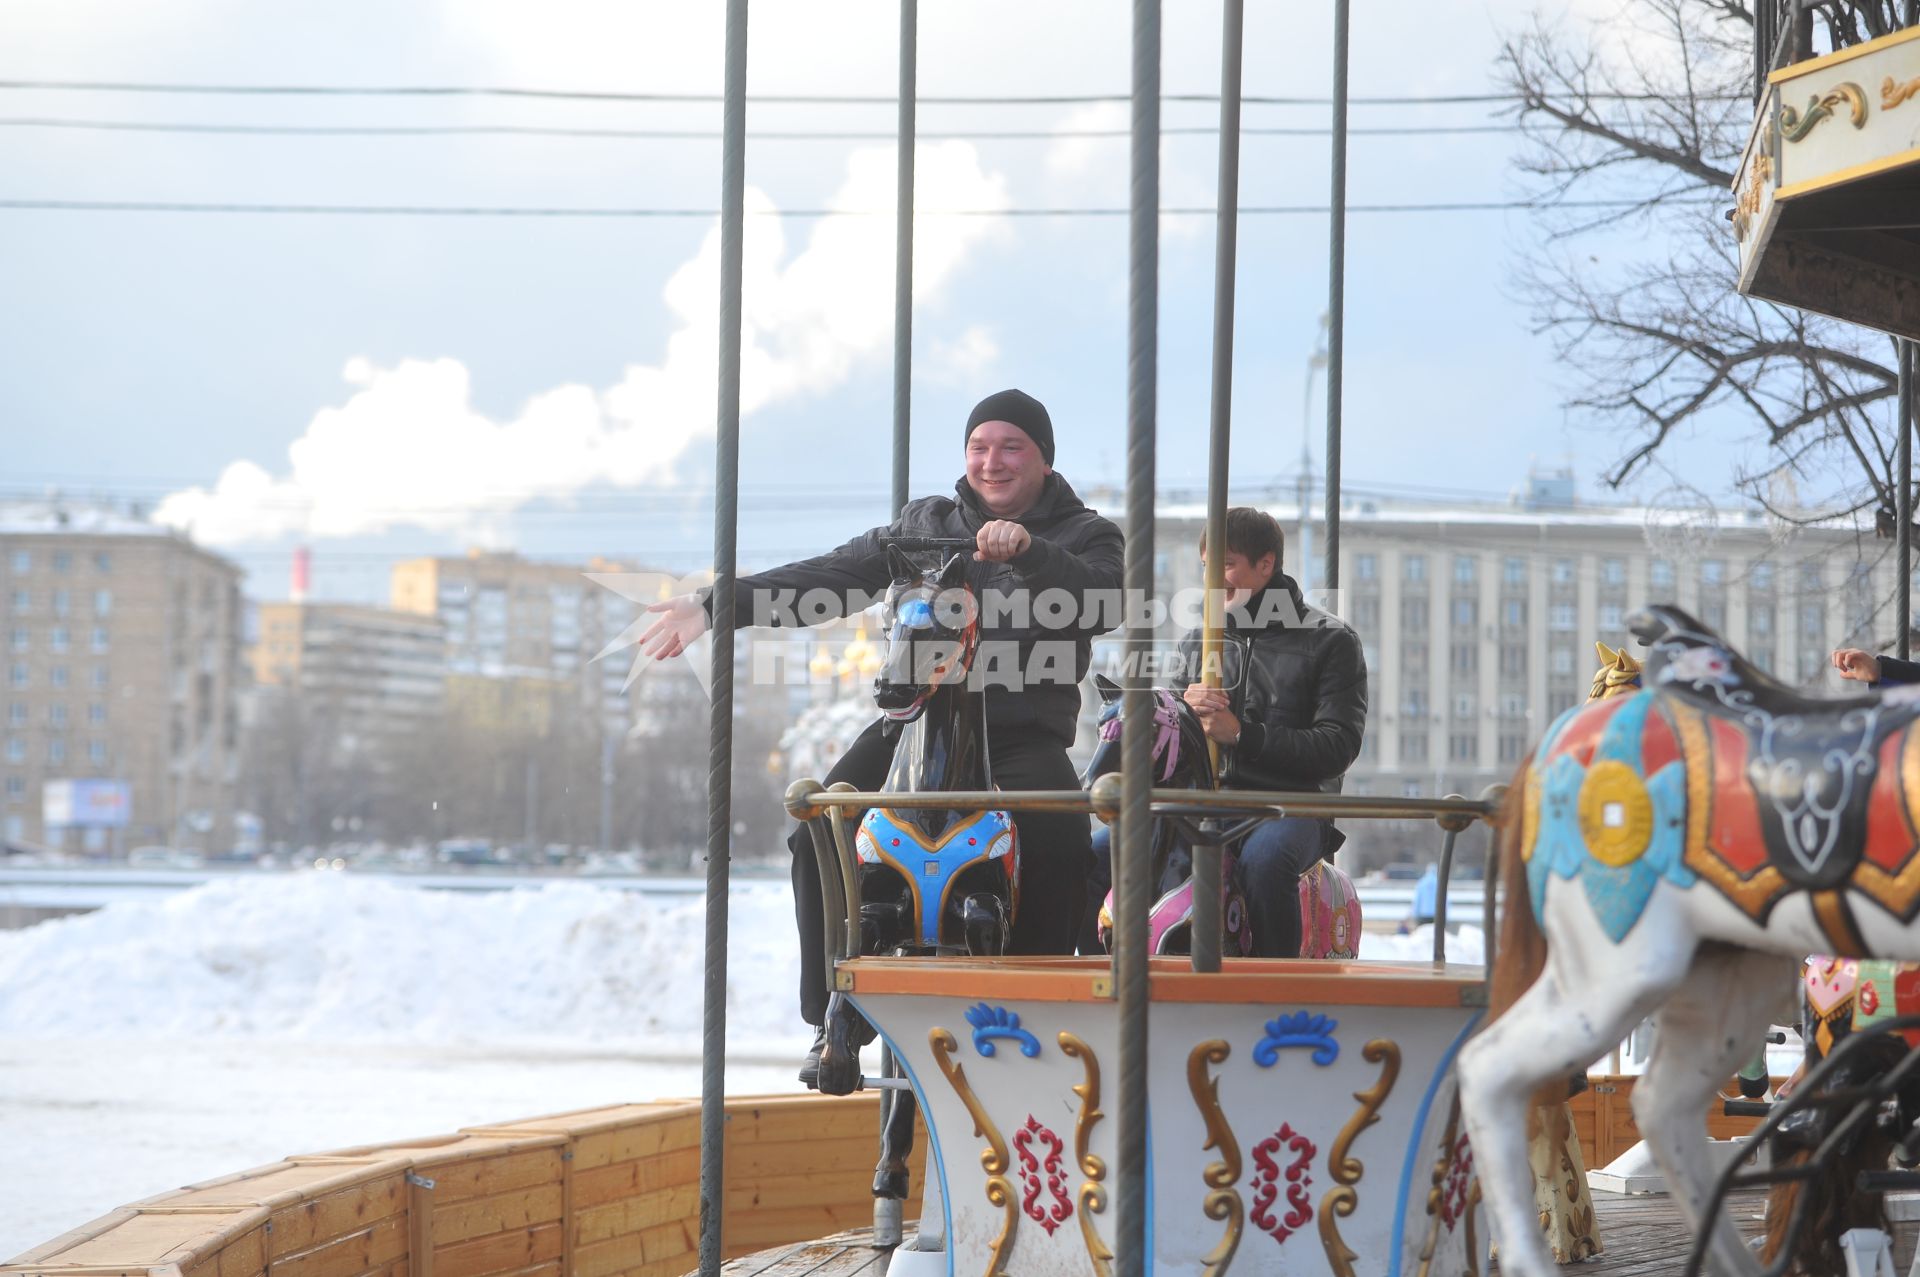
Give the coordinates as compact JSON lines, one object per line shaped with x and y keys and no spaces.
{"x":900,"y":565}
{"x":1108,"y":689}
{"x":1608,"y":656}
{"x":954,"y":572}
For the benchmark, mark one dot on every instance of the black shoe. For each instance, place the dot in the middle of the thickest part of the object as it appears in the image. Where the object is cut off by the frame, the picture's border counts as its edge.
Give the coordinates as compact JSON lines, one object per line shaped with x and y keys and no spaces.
{"x":810,"y":1067}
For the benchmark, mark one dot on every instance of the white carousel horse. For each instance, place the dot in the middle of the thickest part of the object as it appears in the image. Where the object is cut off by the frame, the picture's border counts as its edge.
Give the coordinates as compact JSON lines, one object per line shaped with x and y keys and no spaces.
{"x":1676,"y":852}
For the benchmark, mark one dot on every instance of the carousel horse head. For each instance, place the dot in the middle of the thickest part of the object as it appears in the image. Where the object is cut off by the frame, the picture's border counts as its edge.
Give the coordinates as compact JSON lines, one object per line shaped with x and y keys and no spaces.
{"x":1677,"y":850}
{"x":1180,"y":755}
{"x":932,"y":622}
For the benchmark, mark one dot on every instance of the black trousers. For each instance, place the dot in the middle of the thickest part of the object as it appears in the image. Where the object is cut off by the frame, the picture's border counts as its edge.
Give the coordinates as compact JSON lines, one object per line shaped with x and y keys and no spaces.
{"x":1054,"y":850}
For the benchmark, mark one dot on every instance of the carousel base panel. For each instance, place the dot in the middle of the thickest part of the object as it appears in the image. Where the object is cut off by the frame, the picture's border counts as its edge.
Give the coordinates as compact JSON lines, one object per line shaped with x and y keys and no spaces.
{"x":1635,"y":1171}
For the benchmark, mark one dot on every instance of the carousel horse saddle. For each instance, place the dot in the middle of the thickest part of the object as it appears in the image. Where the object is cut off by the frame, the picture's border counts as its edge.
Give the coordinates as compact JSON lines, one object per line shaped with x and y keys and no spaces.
{"x":1814,"y":781}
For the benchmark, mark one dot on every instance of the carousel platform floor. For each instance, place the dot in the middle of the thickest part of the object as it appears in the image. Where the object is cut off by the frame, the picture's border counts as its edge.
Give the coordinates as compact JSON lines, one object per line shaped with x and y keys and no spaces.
{"x":1643,"y":1235}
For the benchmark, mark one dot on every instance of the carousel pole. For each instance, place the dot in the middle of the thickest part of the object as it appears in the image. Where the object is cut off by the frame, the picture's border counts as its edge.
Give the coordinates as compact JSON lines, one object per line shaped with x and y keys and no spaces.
{"x":1903,"y":504}
{"x":726,"y":490}
{"x":889,"y":1212}
{"x":1136,"y":767}
{"x":1206,"y":857}
{"x":1336,"y":297}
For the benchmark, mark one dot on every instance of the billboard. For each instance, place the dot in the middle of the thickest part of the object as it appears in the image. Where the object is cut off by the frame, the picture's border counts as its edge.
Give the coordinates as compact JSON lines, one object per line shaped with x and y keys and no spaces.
{"x":87,"y":803}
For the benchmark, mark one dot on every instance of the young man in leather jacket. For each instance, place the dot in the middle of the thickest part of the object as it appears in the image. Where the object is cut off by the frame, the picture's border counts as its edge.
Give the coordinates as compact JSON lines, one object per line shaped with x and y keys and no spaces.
{"x":1288,"y":714}
{"x":1032,"y":535}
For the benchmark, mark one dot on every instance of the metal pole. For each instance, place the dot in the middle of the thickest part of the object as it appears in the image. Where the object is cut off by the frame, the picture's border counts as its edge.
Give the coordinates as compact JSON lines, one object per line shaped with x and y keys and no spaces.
{"x":903,"y":252}
{"x":1903,"y":510}
{"x":726,"y":489}
{"x":1336,"y":292}
{"x":1206,"y":856}
{"x":1136,"y":765}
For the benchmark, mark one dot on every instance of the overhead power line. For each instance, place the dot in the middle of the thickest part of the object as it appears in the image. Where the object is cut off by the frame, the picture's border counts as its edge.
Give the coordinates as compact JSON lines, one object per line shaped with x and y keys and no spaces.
{"x":785,"y":99}
{"x":438,"y":210}
{"x":692,"y":135}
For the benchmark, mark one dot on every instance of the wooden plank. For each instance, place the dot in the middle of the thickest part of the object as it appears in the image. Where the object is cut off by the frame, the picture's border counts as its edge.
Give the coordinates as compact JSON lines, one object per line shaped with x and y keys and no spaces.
{"x":466,"y":1218}
{"x":626,"y":1179}
{"x":674,"y":1240}
{"x":804,"y":1119}
{"x":307,"y":1224}
{"x":646,"y":1138}
{"x":495,"y":1173}
{"x":348,"y":1256}
{"x":631,"y":1214}
{"x":500,"y":1253}
{"x":419,"y":1229}
{"x":143,"y":1239}
{"x":243,"y":1255}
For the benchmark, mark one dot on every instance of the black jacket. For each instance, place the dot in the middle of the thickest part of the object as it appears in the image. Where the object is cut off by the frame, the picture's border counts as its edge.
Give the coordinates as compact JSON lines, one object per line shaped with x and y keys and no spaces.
{"x":1895,"y":670}
{"x":1074,"y":549}
{"x":1296,"y":678}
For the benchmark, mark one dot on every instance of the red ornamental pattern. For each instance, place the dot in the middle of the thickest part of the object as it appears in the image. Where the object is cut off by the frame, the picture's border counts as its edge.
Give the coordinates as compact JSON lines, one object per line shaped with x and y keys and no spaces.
{"x":1032,"y":1168}
{"x":1453,"y":1198}
{"x":1267,"y":1177}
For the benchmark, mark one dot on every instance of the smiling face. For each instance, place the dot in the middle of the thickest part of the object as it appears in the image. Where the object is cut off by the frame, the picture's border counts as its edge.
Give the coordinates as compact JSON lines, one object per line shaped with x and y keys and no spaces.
{"x":1243,"y":576}
{"x":1005,"y":468}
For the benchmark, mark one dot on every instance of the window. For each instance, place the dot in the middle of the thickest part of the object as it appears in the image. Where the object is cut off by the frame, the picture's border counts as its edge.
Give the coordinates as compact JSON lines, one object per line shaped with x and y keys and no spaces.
{"x":1760,"y":620}
{"x":1761,"y":657}
{"x":60,"y":638}
{"x":1813,"y":622}
{"x":57,"y":751}
{"x":1413,"y":615}
{"x":22,"y":638}
{"x":1512,"y":748}
{"x":17,"y":714}
{"x":102,"y":602}
{"x":102,"y":561}
{"x":1612,"y":616}
{"x":1613,"y":571}
{"x":1416,"y":567}
{"x":1513,"y":613}
{"x":1563,"y":660}
{"x":1761,"y":576}
{"x":1562,"y":617}
{"x":1415,"y":705}
{"x":18,"y":675}
{"x":22,"y":601}
{"x":1366,"y":567}
{"x":62,"y":561}
{"x":1413,"y":657}
{"x":1811,"y":663}
{"x":97,"y":753}
{"x":1463,"y":569}
{"x":22,"y":562}
{"x":1812,"y":578}
{"x":57,"y":714}
{"x":1413,"y":747}
{"x":1713,"y":572}
{"x":1514,"y":570}
{"x":96,"y":714}
{"x":1409,"y":789}
{"x":99,"y":639}
{"x":57,"y":676}
{"x":1662,"y":574}
{"x":1715,"y":616}
{"x":1463,"y":748}
{"x":61,"y":602}
{"x":16,"y":789}
{"x":16,"y":750}
{"x":1563,"y":571}
{"x":1513,"y":705}
{"x":99,"y":678}
{"x":1466,"y":613}
{"x":1559,"y":703}
{"x":1465,"y":658}
{"x":1513,"y":659}
{"x":1463,"y":705}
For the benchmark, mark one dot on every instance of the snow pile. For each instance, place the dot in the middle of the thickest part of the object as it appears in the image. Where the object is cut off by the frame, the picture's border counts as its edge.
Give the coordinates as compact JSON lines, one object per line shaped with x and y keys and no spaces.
{"x":334,"y":957}
{"x":1467,"y":945}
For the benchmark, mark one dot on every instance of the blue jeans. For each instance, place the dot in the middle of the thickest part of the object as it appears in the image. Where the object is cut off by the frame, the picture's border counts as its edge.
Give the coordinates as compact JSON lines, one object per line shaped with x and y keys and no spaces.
{"x":1272,"y":859}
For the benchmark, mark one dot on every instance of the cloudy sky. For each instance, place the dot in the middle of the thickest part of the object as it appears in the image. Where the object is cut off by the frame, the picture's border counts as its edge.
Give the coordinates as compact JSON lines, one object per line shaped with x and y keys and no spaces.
{"x":383,"y":386}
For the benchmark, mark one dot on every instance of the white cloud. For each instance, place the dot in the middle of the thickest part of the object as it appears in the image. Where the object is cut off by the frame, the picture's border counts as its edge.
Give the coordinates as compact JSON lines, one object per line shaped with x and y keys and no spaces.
{"x":409,"y":448}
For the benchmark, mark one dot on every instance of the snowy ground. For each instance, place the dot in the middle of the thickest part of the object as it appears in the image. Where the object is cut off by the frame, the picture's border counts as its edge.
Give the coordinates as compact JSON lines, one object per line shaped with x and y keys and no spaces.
{"x":158,"y":1042}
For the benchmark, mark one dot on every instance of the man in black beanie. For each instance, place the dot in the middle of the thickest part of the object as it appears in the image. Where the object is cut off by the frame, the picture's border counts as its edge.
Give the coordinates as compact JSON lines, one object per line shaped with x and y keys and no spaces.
{"x":1031,"y":534}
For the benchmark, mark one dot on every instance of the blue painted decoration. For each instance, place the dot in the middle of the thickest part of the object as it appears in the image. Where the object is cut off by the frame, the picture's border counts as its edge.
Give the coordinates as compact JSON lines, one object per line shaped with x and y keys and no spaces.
{"x":990,"y":1022}
{"x":1301,"y":1029}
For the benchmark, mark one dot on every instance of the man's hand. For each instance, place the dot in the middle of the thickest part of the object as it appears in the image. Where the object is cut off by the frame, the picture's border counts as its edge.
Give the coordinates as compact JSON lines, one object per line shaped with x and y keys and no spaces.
{"x":685,"y":621}
{"x":1861,"y":667}
{"x":1001,"y":540}
{"x":1205,"y":700}
{"x":1216,"y":716}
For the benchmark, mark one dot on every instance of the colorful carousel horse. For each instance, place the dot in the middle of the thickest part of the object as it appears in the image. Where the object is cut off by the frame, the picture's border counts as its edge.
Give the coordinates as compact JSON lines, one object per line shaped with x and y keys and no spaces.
{"x":1675,"y":852}
{"x":1329,"y":905}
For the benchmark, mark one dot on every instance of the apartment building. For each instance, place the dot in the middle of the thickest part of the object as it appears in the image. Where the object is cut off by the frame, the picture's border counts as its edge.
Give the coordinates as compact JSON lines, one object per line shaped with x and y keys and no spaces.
{"x":1479,"y":622}
{"x":123,"y":664}
{"x":375,"y":671}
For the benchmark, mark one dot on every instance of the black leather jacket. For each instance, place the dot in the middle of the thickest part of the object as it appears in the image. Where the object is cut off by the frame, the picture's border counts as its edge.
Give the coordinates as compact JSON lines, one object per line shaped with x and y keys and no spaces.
{"x":1074,"y":549}
{"x":1297,"y":681}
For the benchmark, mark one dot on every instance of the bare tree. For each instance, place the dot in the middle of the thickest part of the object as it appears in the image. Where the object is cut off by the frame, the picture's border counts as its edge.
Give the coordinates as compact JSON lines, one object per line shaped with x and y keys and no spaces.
{"x":1635,"y":128}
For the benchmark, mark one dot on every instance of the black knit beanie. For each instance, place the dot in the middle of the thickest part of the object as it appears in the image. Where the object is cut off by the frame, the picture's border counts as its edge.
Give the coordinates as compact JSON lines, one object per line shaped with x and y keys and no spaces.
{"x":1018,"y":408}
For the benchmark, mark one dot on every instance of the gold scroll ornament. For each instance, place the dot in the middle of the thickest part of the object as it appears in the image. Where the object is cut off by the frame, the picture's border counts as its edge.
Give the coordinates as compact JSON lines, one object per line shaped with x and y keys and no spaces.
{"x":1892,"y":94}
{"x":993,"y":1158}
{"x":1342,"y":1200}
{"x":1796,"y":125}
{"x":1223,"y":1203}
{"x":1093,"y":1198}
